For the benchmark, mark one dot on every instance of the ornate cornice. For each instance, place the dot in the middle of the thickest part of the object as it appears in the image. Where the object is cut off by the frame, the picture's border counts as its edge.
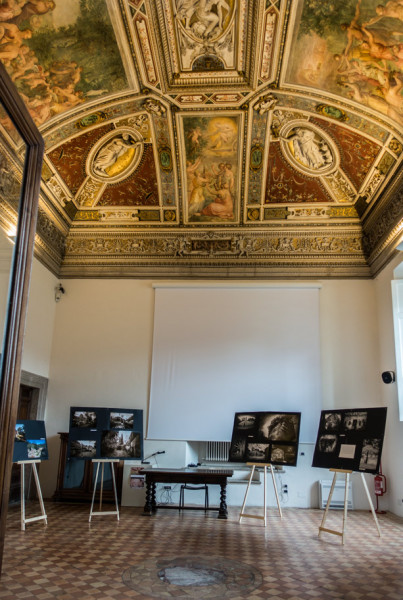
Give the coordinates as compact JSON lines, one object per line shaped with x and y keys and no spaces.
{"x":294,"y":253}
{"x":383,"y":229}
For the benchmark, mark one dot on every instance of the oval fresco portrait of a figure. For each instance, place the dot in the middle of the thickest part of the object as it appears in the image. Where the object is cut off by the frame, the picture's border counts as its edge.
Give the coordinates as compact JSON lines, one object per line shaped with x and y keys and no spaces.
{"x":309,"y":150}
{"x":204,"y":19}
{"x":116,"y":156}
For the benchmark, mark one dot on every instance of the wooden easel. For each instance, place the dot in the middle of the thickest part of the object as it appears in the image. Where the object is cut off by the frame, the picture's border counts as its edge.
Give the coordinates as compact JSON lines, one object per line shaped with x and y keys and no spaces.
{"x":38,"y":489}
{"x":346,"y":483}
{"x":265,"y":466}
{"x":100,"y":511}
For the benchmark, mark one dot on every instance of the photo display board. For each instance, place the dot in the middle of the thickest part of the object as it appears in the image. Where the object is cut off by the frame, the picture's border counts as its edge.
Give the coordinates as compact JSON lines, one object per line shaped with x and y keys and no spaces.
{"x":30,"y":441}
{"x":351,"y":440}
{"x":265,"y":437}
{"x":105,"y":433}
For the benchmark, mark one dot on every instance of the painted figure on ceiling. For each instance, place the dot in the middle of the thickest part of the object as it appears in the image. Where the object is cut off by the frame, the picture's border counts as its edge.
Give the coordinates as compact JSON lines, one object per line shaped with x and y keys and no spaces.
{"x":306,"y":149}
{"x":197,"y":196}
{"x":58,"y":75}
{"x":110,"y":153}
{"x":222,"y":205}
{"x":353,"y":49}
{"x":203,"y":18}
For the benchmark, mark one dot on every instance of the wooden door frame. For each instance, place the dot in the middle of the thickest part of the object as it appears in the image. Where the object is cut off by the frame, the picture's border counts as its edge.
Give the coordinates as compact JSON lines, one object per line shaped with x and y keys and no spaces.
{"x":40,"y":384}
{"x":10,"y":369}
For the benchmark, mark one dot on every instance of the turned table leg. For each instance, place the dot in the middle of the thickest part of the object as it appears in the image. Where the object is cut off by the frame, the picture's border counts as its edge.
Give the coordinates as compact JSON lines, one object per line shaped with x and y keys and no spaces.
{"x":223,"y":512}
{"x":148,"y":507}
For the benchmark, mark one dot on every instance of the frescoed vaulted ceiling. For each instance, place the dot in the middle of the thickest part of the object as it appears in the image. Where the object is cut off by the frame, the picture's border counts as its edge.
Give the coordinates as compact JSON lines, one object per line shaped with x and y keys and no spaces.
{"x":210,"y":138}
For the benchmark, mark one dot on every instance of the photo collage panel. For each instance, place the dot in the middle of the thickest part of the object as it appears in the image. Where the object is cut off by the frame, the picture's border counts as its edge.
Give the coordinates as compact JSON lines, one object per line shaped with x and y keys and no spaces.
{"x":105,"y":433}
{"x":265,"y":437}
{"x":30,"y":441}
{"x":350,"y":440}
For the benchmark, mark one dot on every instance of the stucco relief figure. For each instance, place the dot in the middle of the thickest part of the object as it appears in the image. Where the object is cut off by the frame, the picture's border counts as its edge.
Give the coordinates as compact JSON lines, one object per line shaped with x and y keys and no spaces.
{"x":110,"y":153}
{"x":154,"y":107}
{"x":265,"y":104}
{"x":203,"y":18}
{"x":308,"y":150}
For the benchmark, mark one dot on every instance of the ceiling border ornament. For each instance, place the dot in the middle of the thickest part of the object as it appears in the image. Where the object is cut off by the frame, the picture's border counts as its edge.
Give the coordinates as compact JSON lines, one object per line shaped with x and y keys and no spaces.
{"x":175,"y":79}
{"x":314,"y":252}
{"x":383,"y":229}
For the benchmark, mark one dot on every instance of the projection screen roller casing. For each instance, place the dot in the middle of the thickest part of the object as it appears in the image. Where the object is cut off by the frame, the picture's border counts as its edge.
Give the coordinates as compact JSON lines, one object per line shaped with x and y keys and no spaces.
{"x":221,"y":350}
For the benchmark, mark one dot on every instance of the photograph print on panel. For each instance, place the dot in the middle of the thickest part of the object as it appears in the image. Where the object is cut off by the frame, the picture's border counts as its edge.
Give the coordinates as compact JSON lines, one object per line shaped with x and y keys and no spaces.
{"x":37,"y":448}
{"x":83,"y":448}
{"x":331,"y":421}
{"x":279,"y":427}
{"x":370,"y":454}
{"x":20,"y":433}
{"x":355,"y":420}
{"x":283,"y":454}
{"x":245,"y":421}
{"x":237,"y":451}
{"x":121,"y":444}
{"x":121,"y":420}
{"x":83,"y":418}
{"x":256,"y":452}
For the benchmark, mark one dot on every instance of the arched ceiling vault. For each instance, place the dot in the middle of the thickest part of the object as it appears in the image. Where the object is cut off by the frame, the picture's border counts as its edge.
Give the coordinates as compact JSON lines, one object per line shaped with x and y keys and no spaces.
{"x":210,"y":138}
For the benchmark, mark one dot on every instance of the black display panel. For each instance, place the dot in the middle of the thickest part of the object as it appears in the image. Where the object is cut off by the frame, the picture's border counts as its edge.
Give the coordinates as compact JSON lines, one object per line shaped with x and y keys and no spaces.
{"x":30,"y":441}
{"x":105,"y":433}
{"x":265,"y":437}
{"x":350,"y":439}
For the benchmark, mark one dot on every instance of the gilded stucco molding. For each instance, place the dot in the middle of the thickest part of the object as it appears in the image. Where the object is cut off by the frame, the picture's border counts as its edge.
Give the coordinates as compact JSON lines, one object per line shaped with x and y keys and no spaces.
{"x":318,"y":251}
{"x":49,"y":242}
{"x":382,"y":232}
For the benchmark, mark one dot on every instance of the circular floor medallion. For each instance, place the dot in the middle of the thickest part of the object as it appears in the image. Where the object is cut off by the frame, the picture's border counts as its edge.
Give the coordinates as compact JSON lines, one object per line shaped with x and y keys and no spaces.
{"x":214,"y":578}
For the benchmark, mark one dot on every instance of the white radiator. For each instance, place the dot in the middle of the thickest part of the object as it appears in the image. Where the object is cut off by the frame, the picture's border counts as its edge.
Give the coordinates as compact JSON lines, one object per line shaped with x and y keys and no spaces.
{"x":337,"y":500}
{"x":217,"y":451}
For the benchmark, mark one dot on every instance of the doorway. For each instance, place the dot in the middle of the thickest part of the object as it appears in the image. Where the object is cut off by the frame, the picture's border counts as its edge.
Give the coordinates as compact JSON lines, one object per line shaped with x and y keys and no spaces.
{"x":31,"y":405}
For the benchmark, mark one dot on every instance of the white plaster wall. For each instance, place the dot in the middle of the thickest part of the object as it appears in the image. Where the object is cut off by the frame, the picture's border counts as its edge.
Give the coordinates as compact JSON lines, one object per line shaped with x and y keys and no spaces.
{"x":349,"y":345}
{"x":101,"y":356}
{"x":40,"y":321}
{"x":392,"y":465}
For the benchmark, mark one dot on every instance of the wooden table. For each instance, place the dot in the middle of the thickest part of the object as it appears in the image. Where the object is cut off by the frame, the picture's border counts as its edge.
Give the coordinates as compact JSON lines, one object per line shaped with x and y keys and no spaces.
{"x":195,"y":476}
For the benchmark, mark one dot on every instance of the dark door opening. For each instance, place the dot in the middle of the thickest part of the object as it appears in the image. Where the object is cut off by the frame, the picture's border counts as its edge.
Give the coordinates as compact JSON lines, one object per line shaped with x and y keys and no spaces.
{"x":26,"y":410}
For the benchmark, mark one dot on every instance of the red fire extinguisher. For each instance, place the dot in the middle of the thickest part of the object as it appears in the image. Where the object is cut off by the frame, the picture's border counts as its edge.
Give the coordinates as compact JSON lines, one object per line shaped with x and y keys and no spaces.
{"x":380,"y":484}
{"x":380,"y":488}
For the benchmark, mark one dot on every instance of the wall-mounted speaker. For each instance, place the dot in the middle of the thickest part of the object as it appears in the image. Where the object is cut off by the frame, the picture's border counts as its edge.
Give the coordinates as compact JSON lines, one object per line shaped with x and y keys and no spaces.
{"x":388,"y":376}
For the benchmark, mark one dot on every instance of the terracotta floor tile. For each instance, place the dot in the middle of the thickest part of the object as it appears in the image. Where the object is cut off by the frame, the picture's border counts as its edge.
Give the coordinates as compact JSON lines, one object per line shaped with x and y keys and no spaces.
{"x":71,"y":559}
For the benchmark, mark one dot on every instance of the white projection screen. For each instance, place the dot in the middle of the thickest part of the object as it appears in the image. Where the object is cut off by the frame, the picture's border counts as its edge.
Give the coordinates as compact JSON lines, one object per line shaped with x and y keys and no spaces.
{"x":221,"y":350}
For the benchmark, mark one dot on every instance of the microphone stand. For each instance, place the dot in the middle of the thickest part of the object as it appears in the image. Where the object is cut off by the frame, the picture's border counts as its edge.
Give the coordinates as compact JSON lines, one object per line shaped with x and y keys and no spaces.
{"x":143,"y":462}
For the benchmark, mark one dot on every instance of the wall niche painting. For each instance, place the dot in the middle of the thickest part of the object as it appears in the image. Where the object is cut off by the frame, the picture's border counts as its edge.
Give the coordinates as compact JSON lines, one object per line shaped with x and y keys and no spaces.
{"x":265,"y":437}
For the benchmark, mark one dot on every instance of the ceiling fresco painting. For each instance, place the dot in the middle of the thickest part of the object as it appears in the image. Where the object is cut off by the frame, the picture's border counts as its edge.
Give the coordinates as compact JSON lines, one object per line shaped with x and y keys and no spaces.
{"x":211,"y":138}
{"x":354,"y":49}
{"x":60,"y":54}
{"x":212,"y":156}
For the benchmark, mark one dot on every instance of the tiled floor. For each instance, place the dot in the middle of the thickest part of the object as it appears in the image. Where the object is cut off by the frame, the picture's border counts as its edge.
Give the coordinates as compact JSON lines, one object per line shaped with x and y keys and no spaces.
{"x":71,"y":559}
